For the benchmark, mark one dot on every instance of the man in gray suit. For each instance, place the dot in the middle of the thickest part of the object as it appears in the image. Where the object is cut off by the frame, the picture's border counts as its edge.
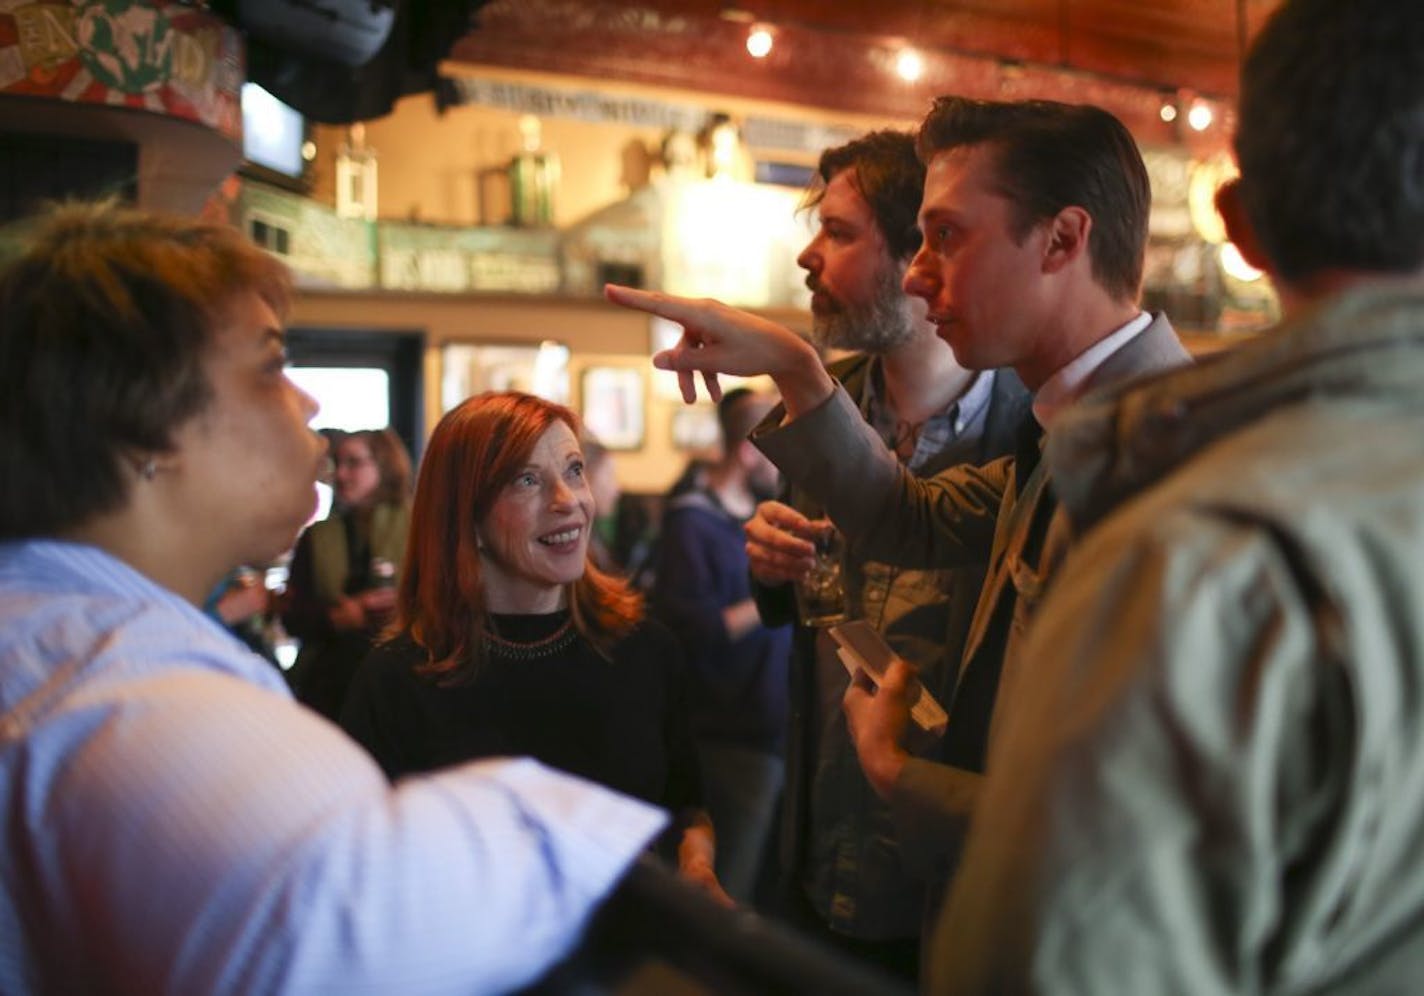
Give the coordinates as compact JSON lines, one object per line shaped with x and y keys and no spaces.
{"x":1034,"y":221}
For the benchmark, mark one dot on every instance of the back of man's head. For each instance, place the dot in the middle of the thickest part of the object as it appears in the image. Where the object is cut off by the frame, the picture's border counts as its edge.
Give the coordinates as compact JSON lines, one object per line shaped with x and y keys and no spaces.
{"x":1331,"y":137}
{"x":1049,"y":156}
{"x":738,"y":413}
{"x":889,"y":176}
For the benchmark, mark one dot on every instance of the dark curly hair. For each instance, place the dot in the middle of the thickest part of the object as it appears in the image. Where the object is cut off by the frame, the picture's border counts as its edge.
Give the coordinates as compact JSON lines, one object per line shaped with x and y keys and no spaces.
{"x":889,"y":176}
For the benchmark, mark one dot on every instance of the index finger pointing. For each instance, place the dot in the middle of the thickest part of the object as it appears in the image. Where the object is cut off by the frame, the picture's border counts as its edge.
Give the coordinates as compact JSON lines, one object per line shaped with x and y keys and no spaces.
{"x":677,"y":309}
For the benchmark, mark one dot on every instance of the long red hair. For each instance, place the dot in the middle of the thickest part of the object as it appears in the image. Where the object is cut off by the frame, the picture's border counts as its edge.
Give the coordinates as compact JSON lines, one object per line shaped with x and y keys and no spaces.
{"x":474,"y":452}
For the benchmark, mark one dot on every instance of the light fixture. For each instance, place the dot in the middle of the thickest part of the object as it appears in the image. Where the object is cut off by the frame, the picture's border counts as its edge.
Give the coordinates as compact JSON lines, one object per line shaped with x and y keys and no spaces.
{"x":1200,"y":116}
{"x":1205,"y":177}
{"x":1168,"y":113}
{"x":759,"y":41}
{"x":721,"y":143}
{"x":1235,"y":265}
{"x":909,"y":64}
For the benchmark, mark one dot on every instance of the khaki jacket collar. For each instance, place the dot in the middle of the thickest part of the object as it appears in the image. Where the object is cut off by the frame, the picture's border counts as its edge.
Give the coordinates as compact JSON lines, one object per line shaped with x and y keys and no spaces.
{"x":1366,"y":343}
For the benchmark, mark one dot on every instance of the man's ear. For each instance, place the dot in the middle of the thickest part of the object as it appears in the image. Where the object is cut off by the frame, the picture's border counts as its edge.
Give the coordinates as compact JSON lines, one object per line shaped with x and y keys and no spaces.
{"x":1067,"y":233}
{"x":1238,"y":227}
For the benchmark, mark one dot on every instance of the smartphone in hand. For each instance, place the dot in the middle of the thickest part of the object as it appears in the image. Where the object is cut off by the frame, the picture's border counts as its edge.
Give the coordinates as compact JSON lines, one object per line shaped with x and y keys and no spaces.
{"x":862,"y":648}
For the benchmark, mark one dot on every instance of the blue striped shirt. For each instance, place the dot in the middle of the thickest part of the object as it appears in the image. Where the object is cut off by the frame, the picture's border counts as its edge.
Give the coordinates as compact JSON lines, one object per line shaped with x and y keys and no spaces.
{"x":174,"y":822}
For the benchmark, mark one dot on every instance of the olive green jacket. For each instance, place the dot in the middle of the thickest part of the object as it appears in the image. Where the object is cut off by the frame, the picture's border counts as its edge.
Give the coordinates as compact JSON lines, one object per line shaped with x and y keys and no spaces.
{"x":844,"y":851}
{"x":330,"y":561}
{"x":1215,"y":780}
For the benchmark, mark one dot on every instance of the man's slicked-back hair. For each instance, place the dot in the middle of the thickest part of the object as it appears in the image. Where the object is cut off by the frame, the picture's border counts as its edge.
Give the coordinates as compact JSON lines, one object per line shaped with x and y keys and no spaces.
{"x":105,"y":320}
{"x":738,"y":413}
{"x":1330,"y":137}
{"x":1049,"y":156}
{"x":888,"y":174}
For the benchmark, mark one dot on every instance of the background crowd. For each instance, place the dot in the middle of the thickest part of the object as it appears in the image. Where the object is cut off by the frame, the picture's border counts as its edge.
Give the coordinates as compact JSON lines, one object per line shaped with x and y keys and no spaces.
{"x":1173,"y":610}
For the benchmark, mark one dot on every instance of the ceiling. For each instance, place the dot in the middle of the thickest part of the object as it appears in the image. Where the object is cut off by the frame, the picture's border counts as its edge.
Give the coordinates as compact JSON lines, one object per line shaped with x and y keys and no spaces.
{"x":1126,"y":55}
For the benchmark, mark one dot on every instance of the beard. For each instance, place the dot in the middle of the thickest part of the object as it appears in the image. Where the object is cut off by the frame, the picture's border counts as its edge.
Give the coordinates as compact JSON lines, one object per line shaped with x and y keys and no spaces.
{"x":879,"y":325}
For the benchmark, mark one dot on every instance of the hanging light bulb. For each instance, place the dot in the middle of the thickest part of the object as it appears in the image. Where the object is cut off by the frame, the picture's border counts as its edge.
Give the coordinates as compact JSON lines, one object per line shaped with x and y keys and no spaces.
{"x":1199,"y":117}
{"x":1168,"y":113}
{"x":759,"y":42}
{"x":910,"y":65}
{"x":1235,"y":264}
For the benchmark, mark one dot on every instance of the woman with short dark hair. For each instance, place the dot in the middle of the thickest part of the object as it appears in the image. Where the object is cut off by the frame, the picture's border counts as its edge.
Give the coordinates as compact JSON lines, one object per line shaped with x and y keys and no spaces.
{"x":342,"y":585}
{"x":173,"y":821}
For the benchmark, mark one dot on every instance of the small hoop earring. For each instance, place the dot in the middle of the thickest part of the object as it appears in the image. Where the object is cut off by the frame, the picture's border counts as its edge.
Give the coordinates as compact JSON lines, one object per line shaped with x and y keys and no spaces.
{"x":149,"y":469}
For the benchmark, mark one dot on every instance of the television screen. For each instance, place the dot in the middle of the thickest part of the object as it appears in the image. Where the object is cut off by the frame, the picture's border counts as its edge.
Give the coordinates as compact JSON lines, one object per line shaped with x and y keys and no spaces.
{"x":272,"y":133}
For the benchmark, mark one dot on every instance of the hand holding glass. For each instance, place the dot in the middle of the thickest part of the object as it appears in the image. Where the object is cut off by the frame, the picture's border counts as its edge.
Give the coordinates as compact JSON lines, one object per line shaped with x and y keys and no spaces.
{"x":820,"y":595}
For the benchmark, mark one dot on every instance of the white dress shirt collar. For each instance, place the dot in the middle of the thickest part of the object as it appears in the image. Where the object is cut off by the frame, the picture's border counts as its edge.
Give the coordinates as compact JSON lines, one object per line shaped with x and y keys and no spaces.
{"x":1063,"y":388}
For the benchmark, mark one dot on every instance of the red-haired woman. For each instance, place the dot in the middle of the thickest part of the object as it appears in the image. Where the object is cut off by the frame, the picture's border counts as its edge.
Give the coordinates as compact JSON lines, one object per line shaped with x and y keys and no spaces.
{"x":508,"y":641}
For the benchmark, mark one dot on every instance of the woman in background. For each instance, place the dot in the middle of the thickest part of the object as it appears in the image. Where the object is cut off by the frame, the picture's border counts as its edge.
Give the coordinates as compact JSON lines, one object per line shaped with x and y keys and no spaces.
{"x":510,"y":642}
{"x":342,"y":586}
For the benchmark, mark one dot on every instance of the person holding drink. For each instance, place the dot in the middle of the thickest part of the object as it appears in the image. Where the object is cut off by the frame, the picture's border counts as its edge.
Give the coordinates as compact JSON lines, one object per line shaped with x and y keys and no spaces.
{"x":846,"y":877}
{"x":1034,"y":224}
{"x":342,"y":587}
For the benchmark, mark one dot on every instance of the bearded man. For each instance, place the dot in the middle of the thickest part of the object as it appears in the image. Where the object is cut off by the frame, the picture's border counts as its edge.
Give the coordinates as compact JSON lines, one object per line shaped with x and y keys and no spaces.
{"x":843,"y":874}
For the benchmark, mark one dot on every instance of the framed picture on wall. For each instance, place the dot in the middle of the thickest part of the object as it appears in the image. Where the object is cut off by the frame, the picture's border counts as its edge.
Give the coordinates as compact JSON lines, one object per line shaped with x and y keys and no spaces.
{"x":695,"y":428}
{"x":470,"y":368}
{"x":613,"y":406}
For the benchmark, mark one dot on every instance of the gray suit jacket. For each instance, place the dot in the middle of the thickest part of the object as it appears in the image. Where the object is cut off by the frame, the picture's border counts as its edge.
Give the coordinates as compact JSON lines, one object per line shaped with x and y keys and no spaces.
{"x":963,"y":515}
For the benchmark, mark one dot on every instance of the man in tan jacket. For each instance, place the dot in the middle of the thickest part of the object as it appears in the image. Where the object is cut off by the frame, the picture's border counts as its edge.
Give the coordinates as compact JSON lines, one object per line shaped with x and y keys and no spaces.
{"x":1215,"y":781}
